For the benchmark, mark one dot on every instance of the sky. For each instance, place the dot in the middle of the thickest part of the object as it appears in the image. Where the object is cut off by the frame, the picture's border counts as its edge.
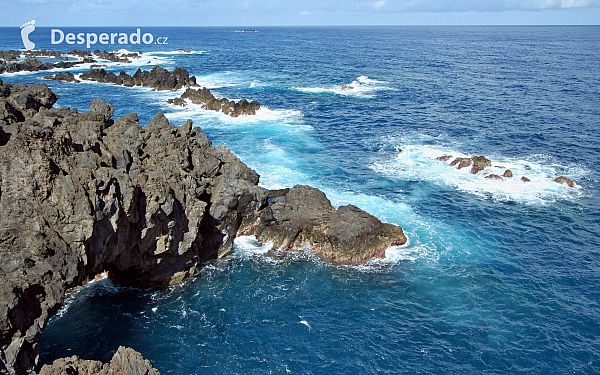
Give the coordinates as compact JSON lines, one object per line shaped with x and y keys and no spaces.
{"x":56,"y":13}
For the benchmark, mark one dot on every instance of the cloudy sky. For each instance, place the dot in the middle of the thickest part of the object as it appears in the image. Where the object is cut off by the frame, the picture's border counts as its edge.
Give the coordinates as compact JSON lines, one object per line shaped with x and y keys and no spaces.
{"x":297,"y":12}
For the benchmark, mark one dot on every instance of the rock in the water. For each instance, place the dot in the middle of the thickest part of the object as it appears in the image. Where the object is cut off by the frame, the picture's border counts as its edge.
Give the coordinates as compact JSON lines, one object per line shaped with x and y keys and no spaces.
{"x":306,"y":218}
{"x":462,"y":162}
{"x":346,"y":87}
{"x":65,"y":76}
{"x":508,"y":173}
{"x":125,"y":361}
{"x":493,"y":177}
{"x":444,"y":157}
{"x":158,"y":78}
{"x":565,"y":180}
{"x":480,"y":163}
{"x":525,"y":179}
{"x":207,"y":100}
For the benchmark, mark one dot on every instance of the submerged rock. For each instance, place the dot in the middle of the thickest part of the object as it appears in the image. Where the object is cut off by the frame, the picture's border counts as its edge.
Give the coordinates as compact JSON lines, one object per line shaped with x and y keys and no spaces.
{"x":525,"y":179}
{"x":444,"y":157}
{"x":493,"y":177}
{"x":207,"y":100}
{"x":125,"y":361}
{"x":565,"y":180}
{"x":306,"y":218}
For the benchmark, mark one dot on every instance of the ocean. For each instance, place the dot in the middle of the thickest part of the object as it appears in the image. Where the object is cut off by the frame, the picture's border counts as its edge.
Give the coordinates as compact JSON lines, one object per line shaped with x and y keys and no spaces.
{"x":498,"y":277}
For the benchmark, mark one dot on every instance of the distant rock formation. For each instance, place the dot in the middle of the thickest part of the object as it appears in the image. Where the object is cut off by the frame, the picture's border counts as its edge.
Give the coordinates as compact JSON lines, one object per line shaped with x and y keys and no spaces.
{"x":304,"y":217}
{"x":34,"y":65}
{"x":158,"y":78}
{"x":117,"y":57}
{"x":125,"y":361}
{"x":207,"y":100}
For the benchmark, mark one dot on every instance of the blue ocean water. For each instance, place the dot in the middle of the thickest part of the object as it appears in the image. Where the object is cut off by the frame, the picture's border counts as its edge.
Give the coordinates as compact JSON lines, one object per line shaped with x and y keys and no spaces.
{"x":498,"y":277}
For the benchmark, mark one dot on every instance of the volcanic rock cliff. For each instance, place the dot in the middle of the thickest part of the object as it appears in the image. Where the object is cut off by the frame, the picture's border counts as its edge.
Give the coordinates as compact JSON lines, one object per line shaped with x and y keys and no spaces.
{"x":81,"y":193}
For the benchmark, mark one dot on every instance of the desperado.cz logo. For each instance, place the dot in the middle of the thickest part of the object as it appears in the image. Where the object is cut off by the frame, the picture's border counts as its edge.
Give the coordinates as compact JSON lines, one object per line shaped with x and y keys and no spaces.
{"x":90,"y":39}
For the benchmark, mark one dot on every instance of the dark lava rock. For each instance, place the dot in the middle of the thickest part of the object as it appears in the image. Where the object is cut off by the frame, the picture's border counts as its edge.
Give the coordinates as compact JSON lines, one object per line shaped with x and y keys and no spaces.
{"x":306,"y":218}
{"x":525,"y":179}
{"x":207,"y":100}
{"x":114,"y":57}
{"x":159,"y":78}
{"x":81,"y":193}
{"x":508,"y":173}
{"x":125,"y":361}
{"x":66,"y":76}
{"x":564,"y":180}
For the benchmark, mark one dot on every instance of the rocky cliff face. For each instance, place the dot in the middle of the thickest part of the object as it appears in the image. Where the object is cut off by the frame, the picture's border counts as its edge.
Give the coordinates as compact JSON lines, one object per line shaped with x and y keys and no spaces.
{"x":81,"y":193}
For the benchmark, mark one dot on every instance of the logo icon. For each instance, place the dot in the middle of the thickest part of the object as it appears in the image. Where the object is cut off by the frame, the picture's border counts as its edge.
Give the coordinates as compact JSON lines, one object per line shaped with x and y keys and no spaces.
{"x":27,"y":29}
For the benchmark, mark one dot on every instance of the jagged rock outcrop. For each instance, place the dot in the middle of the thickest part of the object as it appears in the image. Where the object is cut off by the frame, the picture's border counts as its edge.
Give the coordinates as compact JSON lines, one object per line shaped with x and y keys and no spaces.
{"x":65,"y":76}
{"x":305,"y":217}
{"x":125,"y":361}
{"x":81,"y":193}
{"x":34,"y":65}
{"x":158,"y":78}
{"x":207,"y":100}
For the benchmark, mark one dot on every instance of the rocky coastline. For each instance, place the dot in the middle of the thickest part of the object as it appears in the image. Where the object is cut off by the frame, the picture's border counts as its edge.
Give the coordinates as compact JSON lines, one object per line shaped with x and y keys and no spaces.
{"x":158,"y":78}
{"x":82,"y":193}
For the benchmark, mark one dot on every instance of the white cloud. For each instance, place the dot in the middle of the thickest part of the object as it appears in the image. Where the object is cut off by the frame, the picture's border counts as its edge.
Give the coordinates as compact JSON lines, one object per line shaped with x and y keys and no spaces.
{"x":379,"y":4}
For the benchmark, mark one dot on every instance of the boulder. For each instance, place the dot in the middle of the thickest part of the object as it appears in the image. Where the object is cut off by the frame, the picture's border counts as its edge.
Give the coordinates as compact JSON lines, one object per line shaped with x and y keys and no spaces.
{"x":565,"y":180}
{"x":480,"y":163}
{"x":525,"y":179}
{"x":462,"y":162}
{"x":306,"y":218}
{"x":444,"y":157}
{"x":508,"y":173}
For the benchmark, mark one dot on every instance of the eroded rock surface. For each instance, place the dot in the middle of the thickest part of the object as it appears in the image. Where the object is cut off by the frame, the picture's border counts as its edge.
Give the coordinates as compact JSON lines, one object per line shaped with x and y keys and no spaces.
{"x":305,"y":217}
{"x":125,"y":361}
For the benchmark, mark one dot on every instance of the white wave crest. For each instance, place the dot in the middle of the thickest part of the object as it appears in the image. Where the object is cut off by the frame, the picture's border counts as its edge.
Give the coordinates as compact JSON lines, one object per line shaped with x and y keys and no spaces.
{"x":362,"y":86}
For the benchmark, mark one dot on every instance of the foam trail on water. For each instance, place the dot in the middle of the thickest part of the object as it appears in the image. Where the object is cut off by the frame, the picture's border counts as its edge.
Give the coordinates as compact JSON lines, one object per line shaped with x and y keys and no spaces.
{"x":418,"y":162}
{"x":363,"y":86}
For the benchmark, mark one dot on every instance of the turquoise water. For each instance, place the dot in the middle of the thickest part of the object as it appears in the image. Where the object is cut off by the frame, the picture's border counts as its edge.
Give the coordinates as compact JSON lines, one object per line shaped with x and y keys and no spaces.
{"x":498,"y":277}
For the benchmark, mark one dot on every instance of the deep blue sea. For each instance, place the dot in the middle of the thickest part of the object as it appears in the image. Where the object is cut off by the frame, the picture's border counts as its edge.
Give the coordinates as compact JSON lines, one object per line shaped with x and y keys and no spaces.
{"x":499,"y":277}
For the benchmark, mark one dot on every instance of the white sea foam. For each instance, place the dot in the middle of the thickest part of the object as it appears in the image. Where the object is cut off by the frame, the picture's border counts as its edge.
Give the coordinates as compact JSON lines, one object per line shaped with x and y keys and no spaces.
{"x":248,"y":246}
{"x":362,"y":86}
{"x":418,"y":162}
{"x":264,"y":114}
